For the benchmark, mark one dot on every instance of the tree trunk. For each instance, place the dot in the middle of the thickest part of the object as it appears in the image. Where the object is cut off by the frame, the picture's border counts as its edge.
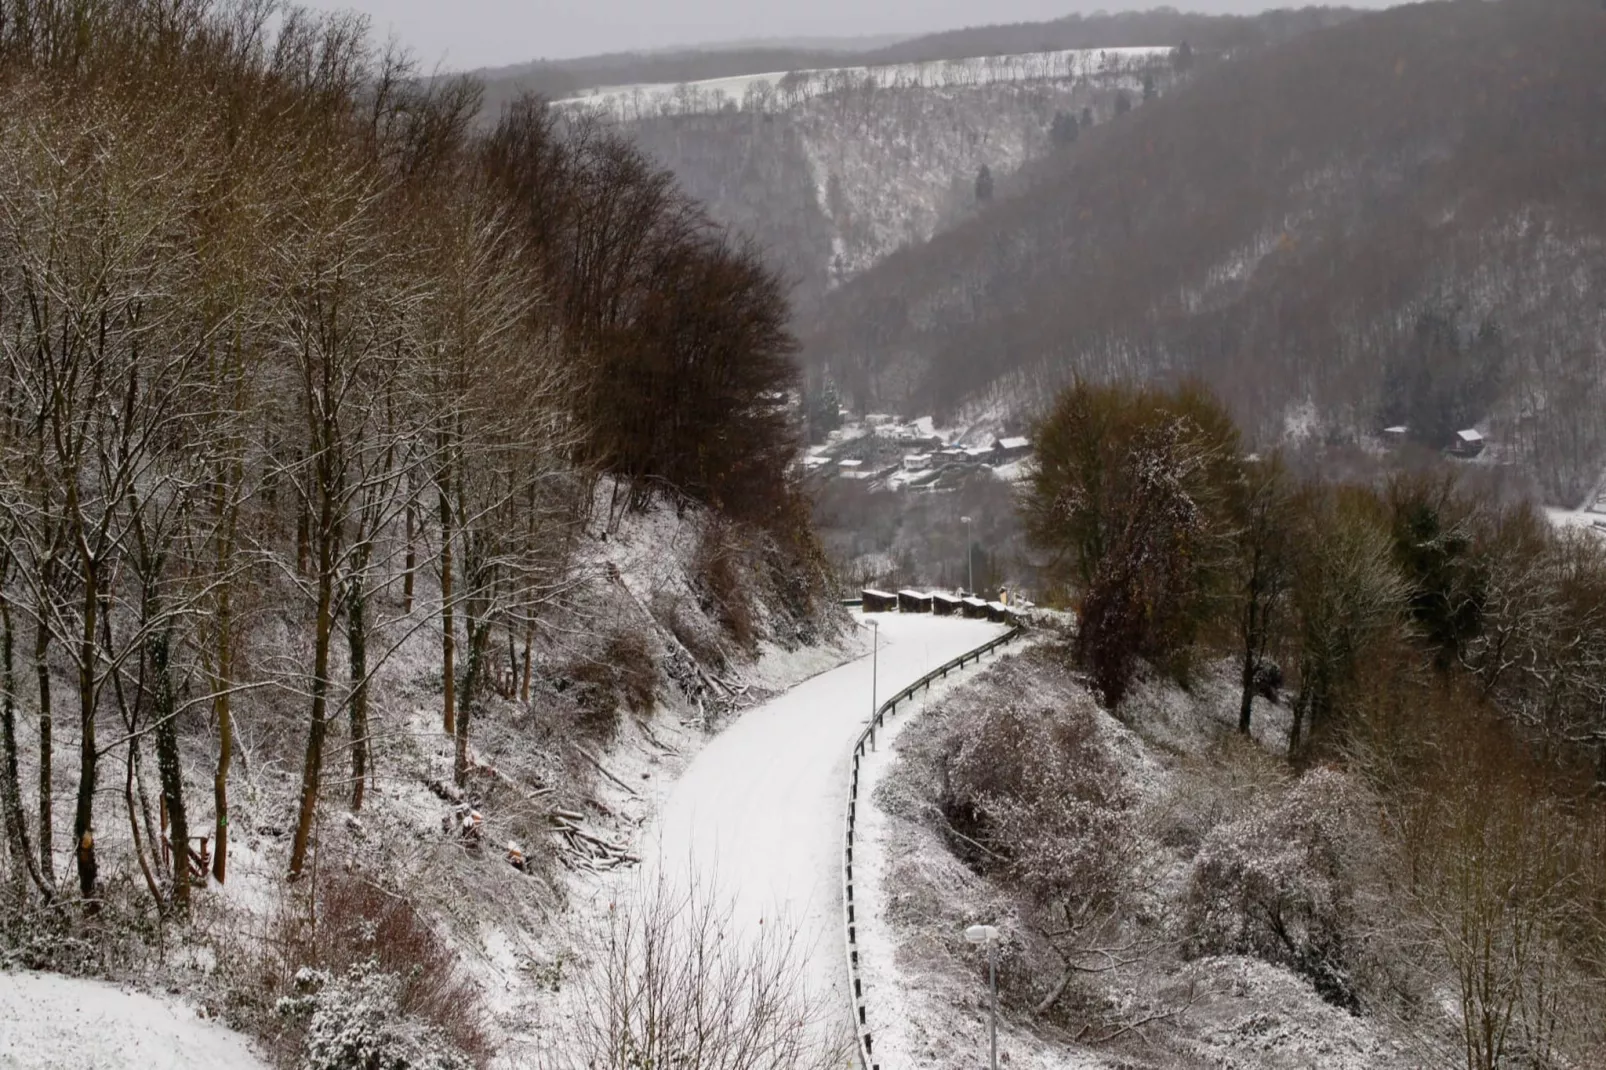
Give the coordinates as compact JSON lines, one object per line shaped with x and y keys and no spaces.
{"x":225,"y":741}
{"x":151,"y":882}
{"x":479,"y":632}
{"x":10,"y":773}
{"x":410,"y":562}
{"x":41,"y":666}
{"x":448,"y":624}
{"x":529,"y":644}
{"x":312,"y":766}
{"x":84,"y":812}
{"x":168,"y":766}
{"x":357,"y":642}
{"x":1247,"y":701}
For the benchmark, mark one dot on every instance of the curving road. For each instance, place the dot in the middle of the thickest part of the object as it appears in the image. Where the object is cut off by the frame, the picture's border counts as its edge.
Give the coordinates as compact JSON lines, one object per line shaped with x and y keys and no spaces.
{"x":758,"y":814}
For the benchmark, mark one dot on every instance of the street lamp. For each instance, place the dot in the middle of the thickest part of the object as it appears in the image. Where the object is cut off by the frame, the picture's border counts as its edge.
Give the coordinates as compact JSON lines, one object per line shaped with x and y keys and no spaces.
{"x":875,"y":654}
{"x":988,"y":934}
{"x":970,"y":567}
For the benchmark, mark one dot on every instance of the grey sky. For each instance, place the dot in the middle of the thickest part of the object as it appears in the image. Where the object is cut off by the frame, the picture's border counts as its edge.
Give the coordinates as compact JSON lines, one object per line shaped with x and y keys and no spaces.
{"x":462,"y":34}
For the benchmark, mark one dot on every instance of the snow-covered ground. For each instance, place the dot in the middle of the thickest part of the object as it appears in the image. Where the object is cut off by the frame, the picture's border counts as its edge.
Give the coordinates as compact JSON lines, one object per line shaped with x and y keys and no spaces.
{"x":51,"y":1022}
{"x":758,"y":813}
{"x":747,"y":90}
{"x":1578,"y":518}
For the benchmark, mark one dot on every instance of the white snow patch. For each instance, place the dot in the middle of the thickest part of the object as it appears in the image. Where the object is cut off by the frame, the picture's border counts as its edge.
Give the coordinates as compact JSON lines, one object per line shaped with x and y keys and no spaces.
{"x":51,"y":1021}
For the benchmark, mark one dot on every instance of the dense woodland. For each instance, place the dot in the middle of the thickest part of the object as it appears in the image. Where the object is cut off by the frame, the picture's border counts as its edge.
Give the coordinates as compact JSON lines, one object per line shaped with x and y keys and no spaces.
{"x":1438,"y":656}
{"x":1396,"y":220}
{"x":286,"y":340}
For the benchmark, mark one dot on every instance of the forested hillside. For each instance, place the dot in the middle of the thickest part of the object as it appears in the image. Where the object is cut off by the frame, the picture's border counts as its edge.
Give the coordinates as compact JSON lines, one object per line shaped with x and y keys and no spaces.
{"x":330,"y":424}
{"x":830,"y":175}
{"x":1395,"y":221}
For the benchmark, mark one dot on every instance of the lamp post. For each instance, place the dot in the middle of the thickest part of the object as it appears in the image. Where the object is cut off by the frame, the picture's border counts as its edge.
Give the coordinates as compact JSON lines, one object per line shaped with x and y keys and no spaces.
{"x":988,"y":934}
{"x":970,"y":567}
{"x":875,"y":654}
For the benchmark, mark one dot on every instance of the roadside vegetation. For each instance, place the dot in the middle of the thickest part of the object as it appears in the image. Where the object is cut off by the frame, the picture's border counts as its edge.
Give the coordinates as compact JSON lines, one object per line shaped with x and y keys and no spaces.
{"x":1310,"y":745}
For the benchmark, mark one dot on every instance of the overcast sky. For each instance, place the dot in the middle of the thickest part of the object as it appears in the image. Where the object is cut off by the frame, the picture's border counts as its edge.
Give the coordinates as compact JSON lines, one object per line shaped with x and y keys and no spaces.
{"x":462,"y":34}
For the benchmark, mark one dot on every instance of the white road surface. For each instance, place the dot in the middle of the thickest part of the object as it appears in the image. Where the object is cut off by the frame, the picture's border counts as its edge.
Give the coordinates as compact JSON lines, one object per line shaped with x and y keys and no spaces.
{"x":758,"y":814}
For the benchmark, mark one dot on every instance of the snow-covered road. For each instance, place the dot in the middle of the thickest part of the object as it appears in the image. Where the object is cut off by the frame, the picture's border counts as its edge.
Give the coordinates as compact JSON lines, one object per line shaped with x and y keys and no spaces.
{"x":758,"y":814}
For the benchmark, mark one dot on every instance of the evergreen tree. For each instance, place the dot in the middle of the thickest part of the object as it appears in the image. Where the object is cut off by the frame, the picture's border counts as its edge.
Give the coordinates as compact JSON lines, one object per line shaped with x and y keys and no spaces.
{"x":1064,"y":130}
{"x":984,"y":185}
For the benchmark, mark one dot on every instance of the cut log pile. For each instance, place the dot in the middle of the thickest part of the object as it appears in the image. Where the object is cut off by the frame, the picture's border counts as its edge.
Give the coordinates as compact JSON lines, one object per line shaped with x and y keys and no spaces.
{"x":585,"y":850}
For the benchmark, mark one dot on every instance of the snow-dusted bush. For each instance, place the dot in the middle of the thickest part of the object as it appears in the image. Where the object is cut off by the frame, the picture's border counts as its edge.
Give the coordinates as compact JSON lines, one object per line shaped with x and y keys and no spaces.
{"x":677,"y":987}
{"x":623,"y":676}
{"x":355,"y":1021}
{"x":1278,"y":885}
{"x":1035,"y":789}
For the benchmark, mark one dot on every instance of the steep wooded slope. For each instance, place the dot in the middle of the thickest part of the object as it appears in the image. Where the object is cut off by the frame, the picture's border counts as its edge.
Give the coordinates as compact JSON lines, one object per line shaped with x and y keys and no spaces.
{"x":1398,"y":220}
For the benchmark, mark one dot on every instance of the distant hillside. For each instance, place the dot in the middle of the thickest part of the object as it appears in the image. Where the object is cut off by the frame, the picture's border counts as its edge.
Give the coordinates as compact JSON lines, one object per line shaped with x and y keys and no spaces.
{"x":831,"y":172}
{"x":1397,"y":221}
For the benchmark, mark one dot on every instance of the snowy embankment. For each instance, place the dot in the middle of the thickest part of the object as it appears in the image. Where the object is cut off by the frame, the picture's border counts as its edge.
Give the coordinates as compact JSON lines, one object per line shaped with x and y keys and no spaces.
{"x":758,"y":814}
{"x":48,"y":1021}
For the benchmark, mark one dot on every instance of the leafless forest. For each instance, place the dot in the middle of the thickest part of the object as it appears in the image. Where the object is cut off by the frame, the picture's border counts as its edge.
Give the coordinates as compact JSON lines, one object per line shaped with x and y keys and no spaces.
{"x":286,"y":339}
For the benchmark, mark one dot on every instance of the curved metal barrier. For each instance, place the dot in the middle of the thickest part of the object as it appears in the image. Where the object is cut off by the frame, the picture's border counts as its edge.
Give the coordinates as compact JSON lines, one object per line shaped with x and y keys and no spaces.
{"x":866,"y":738}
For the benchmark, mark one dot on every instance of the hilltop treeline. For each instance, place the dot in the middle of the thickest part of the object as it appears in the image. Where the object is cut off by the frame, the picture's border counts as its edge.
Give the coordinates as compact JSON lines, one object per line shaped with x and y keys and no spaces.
{"x":1397,"y":220}
{"x":283,"y":333}
{"x":1158,"y":27}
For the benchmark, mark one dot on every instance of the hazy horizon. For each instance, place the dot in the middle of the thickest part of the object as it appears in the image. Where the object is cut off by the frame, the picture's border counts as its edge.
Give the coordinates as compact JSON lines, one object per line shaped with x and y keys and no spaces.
{"x":471,"y":34}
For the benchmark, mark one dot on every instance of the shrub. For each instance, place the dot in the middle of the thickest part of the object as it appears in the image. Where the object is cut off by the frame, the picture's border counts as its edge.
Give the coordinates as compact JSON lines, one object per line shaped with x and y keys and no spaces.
{"x":355,"y":1022}
{"x":1277,"y":885}
{"x":679,"y":985}
{"x":361,"y":963}
{"x":1036,"y":793}
{"x":626,"y":675}
{"x":719,"y":573}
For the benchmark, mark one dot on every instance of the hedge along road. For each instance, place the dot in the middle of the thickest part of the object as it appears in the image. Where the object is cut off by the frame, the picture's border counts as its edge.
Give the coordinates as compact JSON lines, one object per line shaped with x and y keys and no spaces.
{"x":758,"y":814}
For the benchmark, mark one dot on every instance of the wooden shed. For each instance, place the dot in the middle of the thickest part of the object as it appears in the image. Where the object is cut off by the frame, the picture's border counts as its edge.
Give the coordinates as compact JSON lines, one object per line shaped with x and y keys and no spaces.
{"x":998,"y":612}
{"x":945,"y":605}
{"x":878,"y":601}
{"x":974,"y":608}
{"x":914,"y":602}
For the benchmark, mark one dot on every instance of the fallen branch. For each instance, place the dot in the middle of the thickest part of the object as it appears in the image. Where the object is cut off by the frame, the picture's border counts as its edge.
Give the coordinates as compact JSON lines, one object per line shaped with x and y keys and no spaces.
{"x":596,"y":763}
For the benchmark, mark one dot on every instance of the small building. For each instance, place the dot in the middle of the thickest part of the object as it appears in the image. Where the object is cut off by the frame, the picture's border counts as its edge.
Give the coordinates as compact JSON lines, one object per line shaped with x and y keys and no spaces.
{"x":997,"y":612}
{"x":851,"y":469}
{"x":1006,"y":450}
{"x":917,"y":462}
{"x":878,"y":601}
{"x":914,"y":602}
{"x":1396,"y":436}
{"x":1468,"y":443}
{"x":945,"y":605}
{"x":974,"y":608}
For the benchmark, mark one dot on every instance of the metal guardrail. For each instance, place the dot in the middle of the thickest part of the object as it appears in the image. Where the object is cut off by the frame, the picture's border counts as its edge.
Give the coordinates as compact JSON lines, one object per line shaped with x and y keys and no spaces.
{"x":861,"y":1026}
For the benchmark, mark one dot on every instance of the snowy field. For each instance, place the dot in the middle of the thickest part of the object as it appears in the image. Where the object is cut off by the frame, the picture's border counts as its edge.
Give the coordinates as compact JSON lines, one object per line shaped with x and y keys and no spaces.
{"x":50,"y":1022}
{"x":758,"y":814}
{"x":771,"y":89}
